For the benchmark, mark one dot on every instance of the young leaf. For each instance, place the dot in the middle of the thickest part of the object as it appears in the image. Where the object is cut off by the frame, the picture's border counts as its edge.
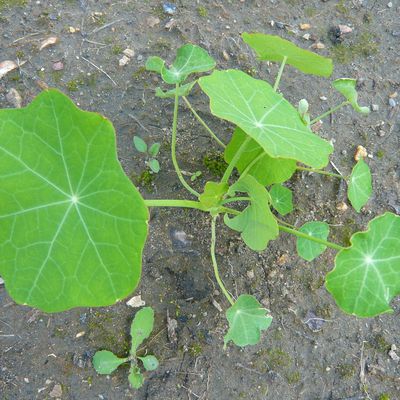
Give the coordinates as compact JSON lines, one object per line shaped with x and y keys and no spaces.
{"x":265,"y":116}
{"x":281,"y":199}
{"x":247,"y":318}
{"x":155,"y":64}
{"x":105,"y":362}
{"x":366,"y":274}
{"x":150,"y":363}
{"x":141,"y":327}
{"x":274,"y":48}
{"x":135,"y":377}
{"x":359,"y":185}
{"x":72,"y":224}
{"x":213,"y":194}
{"x":308,"y":249}
{"x":256,"y":222}
{"x":154,"y":149}
{"x":189,"y":59}
{"x":140,"y":144}
{"x":154,"y":165}
{"x":265,"y":169}
{"x":347,"y":87}
{"x":183,"y":90}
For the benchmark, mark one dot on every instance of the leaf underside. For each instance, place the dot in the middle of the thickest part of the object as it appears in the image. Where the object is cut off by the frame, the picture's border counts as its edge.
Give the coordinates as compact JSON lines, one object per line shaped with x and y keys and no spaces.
{"x":265,"y":116}
{"x":256,"y":222}
{"x":265,"y":169}
{"x":308,"y":249}
{"x":72,"y":226}
{"x":359,"y":187}
{"x":366,"y":276}
{"x":247,"y":318}
{"x":141,"y":327}
{"x":274,"y":48}
{"x":347,"y":87}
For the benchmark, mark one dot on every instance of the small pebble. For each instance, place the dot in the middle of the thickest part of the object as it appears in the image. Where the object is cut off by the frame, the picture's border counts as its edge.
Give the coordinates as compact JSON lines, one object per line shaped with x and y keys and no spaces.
{"x":374,"y":107}
{"x":152,"y":21}
{"x":318,"y":46}
{"x":361,"y":152}
{"x":345,"y":29}
{"x":396,"y":33}
{"x":58,"y":66}
{"x":392,"y":103}
{"x":56,"y":392}
{"x":381,"y":133}
{"x":323,"y":98}
{"x":123,"y":61}
{"x":306,"y":36}
{"x":304,"y":27}
{"x":135,"y":302}
{"x":169,"y":8}
{"x":344,"y":152}
{"x":342,"y":206}
{"x":129,"y":52}
{"x":139,"y":57}
{"x":250,"y":274}
{"x":80,"y":334}
{"x":390,"y":4}
{"x":14,"y":98}
{"x":280,"y":25}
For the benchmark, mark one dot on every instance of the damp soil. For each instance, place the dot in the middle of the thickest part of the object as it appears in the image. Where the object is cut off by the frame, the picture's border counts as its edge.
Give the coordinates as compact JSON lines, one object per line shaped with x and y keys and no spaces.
{"x":346,"y":357}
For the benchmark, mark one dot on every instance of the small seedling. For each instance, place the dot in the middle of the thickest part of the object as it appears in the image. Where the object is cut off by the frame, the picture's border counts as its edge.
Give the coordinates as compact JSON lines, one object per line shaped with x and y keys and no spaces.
{"x":106,"y":362}
{"x":151,"y":153}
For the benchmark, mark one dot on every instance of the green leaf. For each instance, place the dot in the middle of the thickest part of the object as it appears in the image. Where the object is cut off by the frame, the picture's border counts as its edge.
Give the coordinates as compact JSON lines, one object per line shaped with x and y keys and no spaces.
{"x":247,"y":318}
{"x":72,"y":225}
{"x":366,"y":276}
{"x":265,"y":116}
{"x":150,"y":363}
{"x":140,"y":144}
{"x":105,"y":362}
{"x":141,"y":327}
{"x":154,"y":165}
{"x":274,"y":48}
{"x":189,"y":59}
{"x":359,"y":185}
{"x":265,"y":169}
{"x":256,"y":222}
{"x":154,"y":149}
{"x":347,"y":87}
{"x":135,"y":377}
{"x":308,"y":249}
{"x":155,"y":64}
{"x":213,"y":194}
{"x":183,"y":90}
{"x":281,"y":199}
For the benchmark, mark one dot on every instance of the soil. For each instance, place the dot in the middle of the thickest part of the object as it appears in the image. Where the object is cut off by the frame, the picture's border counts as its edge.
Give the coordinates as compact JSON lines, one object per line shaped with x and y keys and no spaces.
{"x":347,"y":358}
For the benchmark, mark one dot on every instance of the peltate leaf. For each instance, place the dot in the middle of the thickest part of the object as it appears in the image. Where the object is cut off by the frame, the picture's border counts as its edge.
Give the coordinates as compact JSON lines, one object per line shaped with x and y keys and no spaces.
{"x":135,"y":377}
{"x":366,"y":276}
{"x":282,"y":199}
{"x":274,"y":48}
{"x":141,"y":327}
{"x":183,"y":90}
{"x":308,"y":249}
{"x":150,"y":363}
{"x":72,"y":225}
{"x":359,"y":185}
{"x":347,"y":87}
{"x":213,"y":194}
{"x":105,"y":362}
{"x":247,"y":318}
{"x":265,"y":169}
{"x":265,"y":116}
{"x":256,"y":222}
{"x":189,"y":59}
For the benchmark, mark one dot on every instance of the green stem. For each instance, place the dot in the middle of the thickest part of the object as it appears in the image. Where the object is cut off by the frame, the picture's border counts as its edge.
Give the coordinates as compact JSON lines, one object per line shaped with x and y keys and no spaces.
{"x":312,"y":238}
{"x":285,"y":223}
{"x":234,"y":160}
{"x":175,"y":203}
{"x":332,"y":110}
{"x":248,"y":168}
{"x":278,"y":78}
{"x":213,"y":135}
{"x":233,"y":199}
{"x":173,"y":145}
{"x":214,"y":262}
{"x":320,"y":171}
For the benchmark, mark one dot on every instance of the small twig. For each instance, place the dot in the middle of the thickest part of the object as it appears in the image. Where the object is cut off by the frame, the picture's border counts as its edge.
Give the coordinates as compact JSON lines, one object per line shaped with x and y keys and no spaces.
{"x":93,"y":42}
{"x":336,"y":168}
{"x":105,"y":26}
{"x":190,"y":391}
{"x":99,"y":69}
{"x":27,"y":36}
{"x":138,"y":122}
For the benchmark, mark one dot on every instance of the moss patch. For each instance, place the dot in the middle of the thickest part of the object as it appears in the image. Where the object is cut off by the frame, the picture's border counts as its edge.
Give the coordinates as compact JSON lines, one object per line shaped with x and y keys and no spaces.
{"x":215,"y":163}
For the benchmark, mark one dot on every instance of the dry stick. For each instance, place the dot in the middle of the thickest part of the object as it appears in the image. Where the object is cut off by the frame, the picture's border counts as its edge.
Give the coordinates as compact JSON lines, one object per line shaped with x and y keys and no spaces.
{"x":138,"y":122}
{"x":27,"y":36}
{"x":105,"y":26}
{"x":99,"y":69}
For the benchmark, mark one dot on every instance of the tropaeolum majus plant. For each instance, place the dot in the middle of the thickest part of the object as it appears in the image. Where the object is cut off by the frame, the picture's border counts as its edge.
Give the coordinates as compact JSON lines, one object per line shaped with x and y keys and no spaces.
{"x":73,"y":227}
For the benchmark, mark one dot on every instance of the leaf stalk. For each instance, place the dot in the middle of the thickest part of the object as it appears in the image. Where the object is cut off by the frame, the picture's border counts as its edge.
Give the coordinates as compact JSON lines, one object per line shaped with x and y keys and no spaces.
{"x":331,"y":111}
{"x":278,"y":78}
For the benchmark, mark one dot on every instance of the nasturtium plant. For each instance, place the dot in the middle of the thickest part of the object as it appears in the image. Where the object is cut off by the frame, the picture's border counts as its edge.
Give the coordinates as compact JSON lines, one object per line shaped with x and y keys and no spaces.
{"x":105,"y":362}
{"x":274,"y":48}
{"x":72,"y":225}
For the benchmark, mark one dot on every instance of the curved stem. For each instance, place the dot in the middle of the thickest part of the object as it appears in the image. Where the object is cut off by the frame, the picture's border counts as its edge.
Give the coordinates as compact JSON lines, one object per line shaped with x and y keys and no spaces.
{"x":312,"y":238}
{"x":285,"y":223}
{"x":320,"y":171}
{"x":173,"y":146}
{"x":332,"y":110}
{"x":234,"y":160}
{"x":248,"y":168}
{"x":214,"y":262}
{"x":278,"y":78}
{"x":174,"y":203}
{"x":213,"y":135}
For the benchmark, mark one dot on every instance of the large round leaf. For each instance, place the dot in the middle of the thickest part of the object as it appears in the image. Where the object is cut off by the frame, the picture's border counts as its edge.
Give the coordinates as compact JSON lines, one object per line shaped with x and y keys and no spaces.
{"x":72,"y":226}
{"x":367,"y":275}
